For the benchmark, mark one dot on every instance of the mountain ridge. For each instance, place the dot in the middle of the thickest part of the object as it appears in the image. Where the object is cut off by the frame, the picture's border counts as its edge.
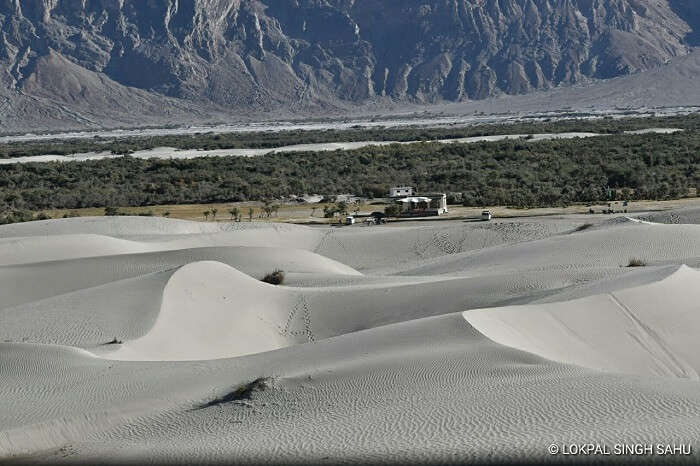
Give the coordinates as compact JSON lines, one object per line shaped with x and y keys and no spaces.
{"x":210,"y":59}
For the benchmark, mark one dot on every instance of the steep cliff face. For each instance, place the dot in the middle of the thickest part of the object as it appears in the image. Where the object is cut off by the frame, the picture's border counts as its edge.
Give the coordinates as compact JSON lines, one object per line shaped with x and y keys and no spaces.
{"x":315,"y":54}
{"x":473,"y":49}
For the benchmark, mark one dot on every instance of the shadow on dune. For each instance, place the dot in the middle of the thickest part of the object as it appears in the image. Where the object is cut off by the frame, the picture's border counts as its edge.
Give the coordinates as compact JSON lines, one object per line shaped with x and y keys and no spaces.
{"x":242,"y":393}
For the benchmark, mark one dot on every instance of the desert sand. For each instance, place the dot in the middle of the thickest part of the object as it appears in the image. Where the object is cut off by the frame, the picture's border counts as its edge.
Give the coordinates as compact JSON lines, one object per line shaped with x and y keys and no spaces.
{"x":153,"y":340}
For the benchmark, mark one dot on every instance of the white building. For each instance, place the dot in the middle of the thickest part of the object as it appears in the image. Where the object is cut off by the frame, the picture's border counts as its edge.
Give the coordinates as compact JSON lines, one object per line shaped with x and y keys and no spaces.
{"x":422,"y":206}
{"x":401,"y":191}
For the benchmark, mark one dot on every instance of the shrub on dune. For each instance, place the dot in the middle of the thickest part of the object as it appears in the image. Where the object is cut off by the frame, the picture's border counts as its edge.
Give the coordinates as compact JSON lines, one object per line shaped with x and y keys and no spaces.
{"x":241,"y":394}
{"x":634,"y":262}
{"x":274,"y":278}
{"x":583,"y":227}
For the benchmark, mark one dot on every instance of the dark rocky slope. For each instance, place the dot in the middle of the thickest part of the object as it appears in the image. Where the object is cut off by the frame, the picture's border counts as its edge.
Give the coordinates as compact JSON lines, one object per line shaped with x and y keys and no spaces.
{"x":97,"y":62}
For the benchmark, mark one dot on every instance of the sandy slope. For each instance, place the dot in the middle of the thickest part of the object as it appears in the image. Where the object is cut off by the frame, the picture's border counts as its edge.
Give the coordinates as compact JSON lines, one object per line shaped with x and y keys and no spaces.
{"x":388,"y":250}
{"x":156,"y":229}
{"x":210,"y":310}
{"x":608,"y":247}
{"x":15,"y":251}
{"x":90,"y":316}
{"x":25,"y":283}
{"x":423,"y":390}
{"x":678,"y":216}
{"x":418,"y":342}
{"x":643,"y":330}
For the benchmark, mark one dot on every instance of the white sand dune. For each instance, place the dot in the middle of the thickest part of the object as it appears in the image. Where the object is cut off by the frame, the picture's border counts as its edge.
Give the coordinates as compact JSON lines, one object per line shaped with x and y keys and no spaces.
{"x":612,"y":246}
{"x":650,"y":329}
{"x":39,"y":280}
{"x":157,"y":228}
{"x":210,"y":310}
{"x":690,"y":215}
{"x":126,"y":309}
{"x":88,"y":317}
{"x":390,"y":250}
{"x":609,"y":281}
{"x":430,"y":342}
{"x":15,"y":251}
{"x":430,"y":390}
{"x":112,"y":226}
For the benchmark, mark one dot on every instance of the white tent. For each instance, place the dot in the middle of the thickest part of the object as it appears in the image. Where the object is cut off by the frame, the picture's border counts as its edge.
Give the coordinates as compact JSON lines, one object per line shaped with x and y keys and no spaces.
{"x":415,"y":199}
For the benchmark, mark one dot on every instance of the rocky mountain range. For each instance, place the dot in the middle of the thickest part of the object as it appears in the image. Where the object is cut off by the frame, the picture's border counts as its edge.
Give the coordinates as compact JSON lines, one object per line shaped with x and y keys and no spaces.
{"x":67,"y":63}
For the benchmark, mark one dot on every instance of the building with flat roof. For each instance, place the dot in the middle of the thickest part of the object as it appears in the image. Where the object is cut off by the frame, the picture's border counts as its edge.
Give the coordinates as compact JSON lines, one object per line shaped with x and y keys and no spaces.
{"x":422,"y":206}
{"x":401,"y":191}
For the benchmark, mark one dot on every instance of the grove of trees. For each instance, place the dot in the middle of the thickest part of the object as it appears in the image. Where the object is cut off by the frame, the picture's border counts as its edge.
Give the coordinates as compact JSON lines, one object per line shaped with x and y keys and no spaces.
{"x":513,"y":172}
{"x":272,"y":139}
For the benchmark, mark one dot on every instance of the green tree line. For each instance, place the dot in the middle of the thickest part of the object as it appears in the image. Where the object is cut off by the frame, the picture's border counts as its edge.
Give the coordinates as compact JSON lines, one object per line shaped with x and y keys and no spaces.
{"x":513,"y":172}
{"x":268,"y":139}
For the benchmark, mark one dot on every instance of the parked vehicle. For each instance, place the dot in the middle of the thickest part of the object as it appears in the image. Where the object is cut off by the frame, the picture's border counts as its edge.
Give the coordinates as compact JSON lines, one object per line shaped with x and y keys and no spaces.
{"x":486,"y":215}
{"x":376,"y":218}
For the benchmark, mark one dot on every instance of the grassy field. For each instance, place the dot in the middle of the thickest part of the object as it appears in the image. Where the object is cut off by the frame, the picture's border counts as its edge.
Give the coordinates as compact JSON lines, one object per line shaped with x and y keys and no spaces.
{"x":292,"y":213}
{"x":313,"y":213}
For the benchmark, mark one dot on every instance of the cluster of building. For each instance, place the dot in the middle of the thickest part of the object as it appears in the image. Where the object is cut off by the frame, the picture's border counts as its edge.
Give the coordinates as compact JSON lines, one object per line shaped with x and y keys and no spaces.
{"x":413,"y":205}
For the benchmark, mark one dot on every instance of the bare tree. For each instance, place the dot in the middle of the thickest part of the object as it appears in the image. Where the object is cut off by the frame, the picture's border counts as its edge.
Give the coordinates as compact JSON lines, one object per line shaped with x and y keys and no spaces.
{"x":206,"y":214}
{"x":235,"y":214}
{"x":266,"y":208}
{"x":250,"y":214}
{"x":213,"y":213}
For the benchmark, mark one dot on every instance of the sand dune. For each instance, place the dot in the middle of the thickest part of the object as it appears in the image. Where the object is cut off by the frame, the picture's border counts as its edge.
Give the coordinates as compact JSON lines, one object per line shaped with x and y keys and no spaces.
{"x":88,"y":317}
{"x":390,"y":250}
{"x":430,"y":390}
{"x":644,"y":330}
{"x":113,"y":226}
{"x":611,"y":246}
{"x":210,"y":310}
{"x":689,"y":215}
{"x":415,"y":342}
{"x":15,"y":251}
{"x":157,"y":229}
{"x":39,"y":280}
